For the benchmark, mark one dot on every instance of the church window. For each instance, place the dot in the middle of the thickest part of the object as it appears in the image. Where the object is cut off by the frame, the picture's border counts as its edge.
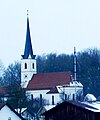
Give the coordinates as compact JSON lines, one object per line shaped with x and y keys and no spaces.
{"x":32,"y":97}
{"x":40,"y":99}
{"x":65,"y":96}
{"x":52,"y":100}
{"x":25,"y":65}
{"x":33,"y":65}
{"x":73,"y":96}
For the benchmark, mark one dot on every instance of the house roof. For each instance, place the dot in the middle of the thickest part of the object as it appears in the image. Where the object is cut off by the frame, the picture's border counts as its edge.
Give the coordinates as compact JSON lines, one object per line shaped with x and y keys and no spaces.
{"x":81,"y":105}
{"x":49,"y":80}
{"x":44,"y":109}
{"x":6,"y":90}
{"x":3,"y":104}
{"x":53,"y":90}
{"x":3,"y":91}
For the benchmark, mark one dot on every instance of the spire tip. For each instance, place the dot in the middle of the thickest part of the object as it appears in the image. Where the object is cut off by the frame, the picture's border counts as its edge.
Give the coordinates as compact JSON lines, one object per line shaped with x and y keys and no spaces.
{"x":74,"y":50}
{"x":27,"y":13}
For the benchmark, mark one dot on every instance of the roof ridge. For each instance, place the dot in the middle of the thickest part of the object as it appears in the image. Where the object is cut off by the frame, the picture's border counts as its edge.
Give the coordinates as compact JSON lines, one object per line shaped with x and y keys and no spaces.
{"x":54,"y":72}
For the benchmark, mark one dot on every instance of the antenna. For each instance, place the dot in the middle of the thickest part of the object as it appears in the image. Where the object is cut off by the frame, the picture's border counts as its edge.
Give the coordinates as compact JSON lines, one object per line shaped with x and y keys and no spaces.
{"x":75,"y":71}
{"x":74,"y":64}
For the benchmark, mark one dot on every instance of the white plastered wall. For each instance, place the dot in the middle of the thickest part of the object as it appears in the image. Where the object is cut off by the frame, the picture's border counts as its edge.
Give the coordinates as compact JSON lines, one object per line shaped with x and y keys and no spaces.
{"x":47,"y":97}
{"x":6,"y":113}
{"x":70,"y":90}
{"x":27,"y":72}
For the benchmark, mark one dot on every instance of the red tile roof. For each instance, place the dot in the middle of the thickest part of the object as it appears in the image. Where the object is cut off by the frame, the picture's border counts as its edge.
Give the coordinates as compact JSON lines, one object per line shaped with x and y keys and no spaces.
{"x":1,"y":105}
{"x":53,"y":90}
{"x":3,"y":91}
{"x":6,"y":90}
{"x":49,"y":80}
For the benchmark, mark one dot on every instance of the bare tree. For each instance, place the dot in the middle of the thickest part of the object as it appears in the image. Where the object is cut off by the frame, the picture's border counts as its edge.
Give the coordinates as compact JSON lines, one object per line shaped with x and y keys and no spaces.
{"x":12,"y":75}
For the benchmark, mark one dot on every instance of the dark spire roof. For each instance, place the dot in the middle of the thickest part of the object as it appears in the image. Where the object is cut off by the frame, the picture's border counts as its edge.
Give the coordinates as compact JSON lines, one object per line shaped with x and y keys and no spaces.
{"x":28,"y":45}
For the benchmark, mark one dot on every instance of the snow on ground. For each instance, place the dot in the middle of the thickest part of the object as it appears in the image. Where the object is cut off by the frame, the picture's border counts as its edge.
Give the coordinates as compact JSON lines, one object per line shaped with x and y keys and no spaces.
{"x":90,"y":97}
{"x":95,"y":105}
{"x":48,"y":107}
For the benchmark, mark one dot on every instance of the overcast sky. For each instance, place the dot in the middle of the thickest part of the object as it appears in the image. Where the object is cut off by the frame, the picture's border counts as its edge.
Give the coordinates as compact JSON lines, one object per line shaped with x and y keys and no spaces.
{"x":56,"y":26}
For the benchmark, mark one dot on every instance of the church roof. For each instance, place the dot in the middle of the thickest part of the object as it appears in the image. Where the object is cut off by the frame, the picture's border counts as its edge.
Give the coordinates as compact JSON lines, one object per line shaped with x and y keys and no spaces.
{"x":53,"y":91}
{"x":49,"y":80}
{"x":28,"y":45}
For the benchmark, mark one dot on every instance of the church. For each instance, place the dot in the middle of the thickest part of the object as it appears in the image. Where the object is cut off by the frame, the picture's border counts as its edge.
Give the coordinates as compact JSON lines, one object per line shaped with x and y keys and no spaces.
{"x":52,"y":87}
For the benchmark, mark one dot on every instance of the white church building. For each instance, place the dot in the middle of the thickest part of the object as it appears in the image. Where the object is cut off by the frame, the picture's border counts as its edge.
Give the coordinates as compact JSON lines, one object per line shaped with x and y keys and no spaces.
{"x":53,"y":87}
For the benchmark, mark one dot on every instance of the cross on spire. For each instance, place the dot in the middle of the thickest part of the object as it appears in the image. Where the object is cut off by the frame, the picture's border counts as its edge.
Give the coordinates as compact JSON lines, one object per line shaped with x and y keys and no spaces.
{"x":27,"y":13}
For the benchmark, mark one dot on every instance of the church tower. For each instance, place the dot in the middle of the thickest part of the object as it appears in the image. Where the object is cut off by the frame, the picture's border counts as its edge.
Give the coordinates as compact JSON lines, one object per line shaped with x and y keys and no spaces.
{"x":28,"y":61}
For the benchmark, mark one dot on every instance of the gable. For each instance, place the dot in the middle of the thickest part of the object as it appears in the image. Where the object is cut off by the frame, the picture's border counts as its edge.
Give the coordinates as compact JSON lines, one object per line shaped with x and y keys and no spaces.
{"x":7,"y":112}
{"x":49,"y":80}
{"x":53,"y":91}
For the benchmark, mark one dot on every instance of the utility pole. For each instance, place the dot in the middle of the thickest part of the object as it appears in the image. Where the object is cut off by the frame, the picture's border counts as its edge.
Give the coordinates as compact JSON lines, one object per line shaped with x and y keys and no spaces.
{"x":75,"y":70}
{"x":74,"y":64}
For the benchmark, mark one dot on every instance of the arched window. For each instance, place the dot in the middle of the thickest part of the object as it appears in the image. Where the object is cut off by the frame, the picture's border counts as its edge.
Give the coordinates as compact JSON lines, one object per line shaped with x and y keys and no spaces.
{"x":52,"y":100}
{"x":25,"y":65}
{"x":40,"y":99}
{"x":9,"y":118}
{"x":33,"y":65}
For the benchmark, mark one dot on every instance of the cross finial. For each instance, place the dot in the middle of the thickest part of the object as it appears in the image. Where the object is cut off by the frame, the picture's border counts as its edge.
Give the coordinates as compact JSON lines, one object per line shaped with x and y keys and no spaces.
{"x":27,"y":13}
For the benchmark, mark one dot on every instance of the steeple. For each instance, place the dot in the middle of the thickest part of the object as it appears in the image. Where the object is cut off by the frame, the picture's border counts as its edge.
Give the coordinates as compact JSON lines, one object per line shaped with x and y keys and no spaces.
{"x":28,"y":63}
{"x":28,"y":51}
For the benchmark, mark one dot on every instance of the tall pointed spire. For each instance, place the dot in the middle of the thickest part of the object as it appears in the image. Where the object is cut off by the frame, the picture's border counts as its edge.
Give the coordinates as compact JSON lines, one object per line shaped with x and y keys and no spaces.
{"x":28,"y":51}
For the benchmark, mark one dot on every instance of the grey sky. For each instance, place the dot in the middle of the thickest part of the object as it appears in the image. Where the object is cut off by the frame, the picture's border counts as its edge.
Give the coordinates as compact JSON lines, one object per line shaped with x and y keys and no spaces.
{"x":56,"y":26}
